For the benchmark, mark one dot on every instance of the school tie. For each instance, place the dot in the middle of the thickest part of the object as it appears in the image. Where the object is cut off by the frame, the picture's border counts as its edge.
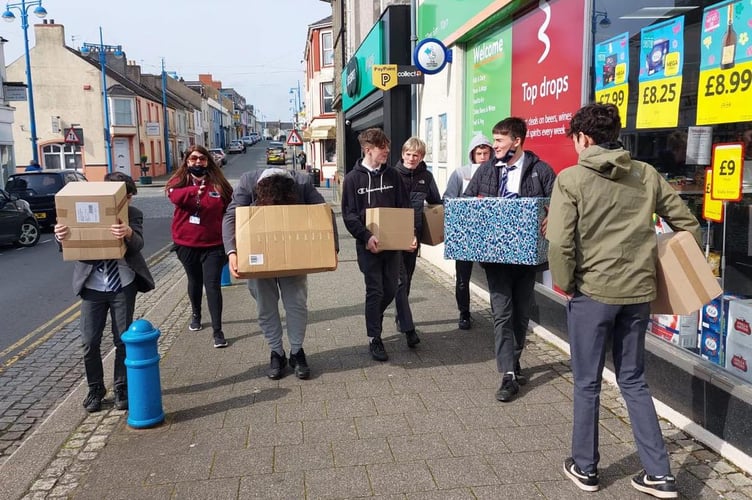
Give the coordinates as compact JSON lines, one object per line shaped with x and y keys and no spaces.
{"x":504,"y":192}
{"x":111,"y":275}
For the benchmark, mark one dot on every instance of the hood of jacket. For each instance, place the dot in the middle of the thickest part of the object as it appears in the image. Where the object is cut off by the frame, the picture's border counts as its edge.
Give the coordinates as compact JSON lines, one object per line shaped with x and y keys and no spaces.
{"x":611,"y":160}
{"x":477,"y":140}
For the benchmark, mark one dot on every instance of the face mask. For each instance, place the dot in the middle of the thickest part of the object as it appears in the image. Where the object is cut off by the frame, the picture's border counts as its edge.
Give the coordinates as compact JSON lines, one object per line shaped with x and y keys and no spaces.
{"x":508,"y":156}
{"x":197,"y":171}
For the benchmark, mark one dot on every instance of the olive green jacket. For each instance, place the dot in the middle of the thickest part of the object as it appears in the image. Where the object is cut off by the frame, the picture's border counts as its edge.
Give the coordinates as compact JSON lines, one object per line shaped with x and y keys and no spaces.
{"x":600,"y":226}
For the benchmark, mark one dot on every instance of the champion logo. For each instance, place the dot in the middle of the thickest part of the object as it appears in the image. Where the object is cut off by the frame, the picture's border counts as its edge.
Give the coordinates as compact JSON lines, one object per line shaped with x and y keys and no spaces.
{"x":374,"y":189}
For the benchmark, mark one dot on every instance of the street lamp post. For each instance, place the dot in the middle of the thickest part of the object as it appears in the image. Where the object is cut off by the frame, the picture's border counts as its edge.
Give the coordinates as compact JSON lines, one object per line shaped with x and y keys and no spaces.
{"x":102,"y":49}
{"x":23,"y":8}
{"x":295,"y":101}
{"x":165,"y":117}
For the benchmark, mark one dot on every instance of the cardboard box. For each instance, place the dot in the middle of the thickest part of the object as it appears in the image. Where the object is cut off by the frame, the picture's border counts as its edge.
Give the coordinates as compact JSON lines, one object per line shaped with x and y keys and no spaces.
{"x":738,"y":353}
{"x":433,"y":225}
{"x":89,"y":209}
{"x":274,"y":241}
{"x":685,"y":281}
{"x":495,"y":230}
{"x":393,"y":227}
{"x":677,"y":329}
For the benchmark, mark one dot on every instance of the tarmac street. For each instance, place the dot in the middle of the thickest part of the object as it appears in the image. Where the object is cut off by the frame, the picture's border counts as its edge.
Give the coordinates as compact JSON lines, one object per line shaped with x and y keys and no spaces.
{"x":425,"y":424}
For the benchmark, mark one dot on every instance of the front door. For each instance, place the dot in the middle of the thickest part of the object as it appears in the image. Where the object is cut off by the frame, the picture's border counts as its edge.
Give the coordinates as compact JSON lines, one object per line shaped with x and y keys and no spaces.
{"x":121,"y":153}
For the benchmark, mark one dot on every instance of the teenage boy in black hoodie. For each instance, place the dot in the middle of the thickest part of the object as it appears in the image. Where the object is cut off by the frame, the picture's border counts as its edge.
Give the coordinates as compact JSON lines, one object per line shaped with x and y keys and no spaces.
{"x":370,"y":184}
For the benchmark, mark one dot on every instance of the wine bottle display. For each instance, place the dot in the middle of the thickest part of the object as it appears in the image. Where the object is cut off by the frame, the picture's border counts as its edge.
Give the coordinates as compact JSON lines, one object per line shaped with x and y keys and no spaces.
{"x":728,"y":53}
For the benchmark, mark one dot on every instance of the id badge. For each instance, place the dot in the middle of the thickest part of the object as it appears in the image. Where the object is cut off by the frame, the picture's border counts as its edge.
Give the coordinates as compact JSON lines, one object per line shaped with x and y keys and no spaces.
{"x":194,"y":219}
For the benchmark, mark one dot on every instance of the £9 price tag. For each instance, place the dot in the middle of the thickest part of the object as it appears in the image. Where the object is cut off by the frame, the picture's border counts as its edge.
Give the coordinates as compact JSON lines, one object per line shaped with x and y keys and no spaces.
{"x":727,"y":171}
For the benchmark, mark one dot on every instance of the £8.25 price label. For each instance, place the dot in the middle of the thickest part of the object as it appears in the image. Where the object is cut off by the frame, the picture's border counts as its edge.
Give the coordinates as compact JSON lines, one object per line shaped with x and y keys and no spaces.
{"x":658,"y":103}
{"x":618,"y":97}
{"x":724,"y":96}
{"x":727,"y":171}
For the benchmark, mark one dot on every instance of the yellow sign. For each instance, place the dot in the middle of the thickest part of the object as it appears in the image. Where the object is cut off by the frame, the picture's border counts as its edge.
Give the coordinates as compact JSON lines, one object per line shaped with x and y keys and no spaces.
{"x":617,"y":96}
{"x":712,"y":210}
{"x":724,"y":95}
{"x":727,"y":172}
{"x":658,"y":103}
{"x":384,"y":76}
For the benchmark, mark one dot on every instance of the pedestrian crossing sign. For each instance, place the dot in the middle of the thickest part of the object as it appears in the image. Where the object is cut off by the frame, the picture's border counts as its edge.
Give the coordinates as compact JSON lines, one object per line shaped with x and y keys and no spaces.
{"x":71,"y":137}
{"x":294,"y":138}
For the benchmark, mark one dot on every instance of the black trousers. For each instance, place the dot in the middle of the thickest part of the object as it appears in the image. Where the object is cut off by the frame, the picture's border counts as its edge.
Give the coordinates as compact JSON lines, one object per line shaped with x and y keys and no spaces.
{"x":401,"y":302}
{"x":381,"y":274}
{"x":203,"y":267}
{"x":463,"y":270}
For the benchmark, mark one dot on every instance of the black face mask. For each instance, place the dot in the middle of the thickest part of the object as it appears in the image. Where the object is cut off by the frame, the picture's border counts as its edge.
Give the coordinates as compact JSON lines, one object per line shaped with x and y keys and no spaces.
{"x":508,"y":156}
{"x":197,"y":171}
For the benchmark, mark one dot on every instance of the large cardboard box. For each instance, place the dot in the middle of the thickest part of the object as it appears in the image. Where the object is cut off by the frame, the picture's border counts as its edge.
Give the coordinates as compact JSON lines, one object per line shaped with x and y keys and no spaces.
{"x":685,"y":281}
{"x":393,"y":227}
{"x":677,"y":329}
{"x":433,"y":225}
{"x":500,"y":230}
{"x":89,"y":209}
{"x":274,"y":241}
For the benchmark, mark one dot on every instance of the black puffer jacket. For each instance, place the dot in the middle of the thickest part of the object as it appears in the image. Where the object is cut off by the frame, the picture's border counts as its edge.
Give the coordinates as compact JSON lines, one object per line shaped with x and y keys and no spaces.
{"x":537,"y":179}
{"x":422,"y":187}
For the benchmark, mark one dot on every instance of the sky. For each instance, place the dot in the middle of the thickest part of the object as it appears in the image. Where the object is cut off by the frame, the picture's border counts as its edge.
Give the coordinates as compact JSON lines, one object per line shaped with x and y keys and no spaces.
{"x":253,"y":46}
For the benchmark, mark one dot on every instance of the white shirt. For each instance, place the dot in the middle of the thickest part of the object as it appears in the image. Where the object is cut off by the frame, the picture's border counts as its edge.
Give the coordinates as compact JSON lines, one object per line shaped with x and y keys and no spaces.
{"x":515,"y":176}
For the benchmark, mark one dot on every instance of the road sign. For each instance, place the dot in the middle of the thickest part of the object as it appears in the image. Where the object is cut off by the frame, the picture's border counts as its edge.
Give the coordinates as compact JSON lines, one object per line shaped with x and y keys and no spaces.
{"x":294,"y":138}
{"x":71,"y":137}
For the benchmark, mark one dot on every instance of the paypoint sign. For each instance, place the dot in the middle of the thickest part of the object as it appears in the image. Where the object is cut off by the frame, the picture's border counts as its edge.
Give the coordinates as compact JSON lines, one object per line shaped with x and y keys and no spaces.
{"x":387,"y":76}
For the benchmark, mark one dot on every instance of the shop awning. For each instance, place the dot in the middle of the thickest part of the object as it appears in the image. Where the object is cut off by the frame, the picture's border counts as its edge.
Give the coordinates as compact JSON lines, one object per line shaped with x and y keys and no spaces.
{"x":307,"y":135}
{"x":321,"y":133}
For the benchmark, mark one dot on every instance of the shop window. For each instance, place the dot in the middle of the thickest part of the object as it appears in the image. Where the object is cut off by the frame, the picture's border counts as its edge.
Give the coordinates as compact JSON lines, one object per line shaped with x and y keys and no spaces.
{"x":330,"y":150}
{"x":327,"y":97}
{"x":123,"y":112}
{"x":327,"y":49}
{"x":62,"y":156}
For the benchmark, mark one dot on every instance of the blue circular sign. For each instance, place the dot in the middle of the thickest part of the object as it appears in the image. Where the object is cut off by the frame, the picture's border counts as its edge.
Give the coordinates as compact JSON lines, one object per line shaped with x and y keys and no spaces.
{"x":430,"y":55}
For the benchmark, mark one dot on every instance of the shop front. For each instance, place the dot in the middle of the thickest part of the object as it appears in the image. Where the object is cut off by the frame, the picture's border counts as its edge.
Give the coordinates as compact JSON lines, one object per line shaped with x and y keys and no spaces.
{"x":681,"y":75}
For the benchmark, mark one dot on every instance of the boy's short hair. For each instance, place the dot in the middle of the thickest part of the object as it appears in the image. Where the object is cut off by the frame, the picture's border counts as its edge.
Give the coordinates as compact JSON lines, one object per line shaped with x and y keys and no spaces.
{"x":130,"y":185}
{"x":373,"y":137}
{"x":512,"y":126}
{"x":599,"y":121}
{"x":415,"y":144}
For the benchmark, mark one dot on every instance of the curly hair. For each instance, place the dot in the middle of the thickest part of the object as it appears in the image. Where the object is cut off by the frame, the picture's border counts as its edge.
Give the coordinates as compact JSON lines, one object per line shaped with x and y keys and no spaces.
{"x":599,"y":121}
{"x":276,"y":190}
{"x":214,"y":176}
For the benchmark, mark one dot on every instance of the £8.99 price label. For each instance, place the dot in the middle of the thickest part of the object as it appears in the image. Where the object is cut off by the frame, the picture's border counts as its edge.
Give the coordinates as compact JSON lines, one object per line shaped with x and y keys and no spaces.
{"x":724,"y":96}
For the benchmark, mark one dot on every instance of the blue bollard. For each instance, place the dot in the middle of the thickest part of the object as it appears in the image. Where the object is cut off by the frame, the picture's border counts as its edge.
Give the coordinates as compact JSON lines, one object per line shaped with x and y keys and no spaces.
{"x":226,"y":279}
{"x":142,"y":365}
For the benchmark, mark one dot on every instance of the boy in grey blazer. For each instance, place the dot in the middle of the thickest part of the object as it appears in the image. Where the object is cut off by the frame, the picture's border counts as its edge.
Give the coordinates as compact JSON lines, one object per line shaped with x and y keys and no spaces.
{"x":110,"y":286}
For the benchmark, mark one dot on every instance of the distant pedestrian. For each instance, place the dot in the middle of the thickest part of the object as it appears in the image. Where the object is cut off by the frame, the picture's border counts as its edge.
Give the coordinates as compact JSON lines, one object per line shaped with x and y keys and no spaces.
{"x":302,"y":159}
{"x":512,"y":173}
{"x":479,"y":152}
{"x":371,"y":184}
{"x":110,"y":286}
{"x":276,"y":186}
{"x":33,"y":167}
{"x":421,"y":188}
{"x":200,"y":193}
{"x":602,"y":254}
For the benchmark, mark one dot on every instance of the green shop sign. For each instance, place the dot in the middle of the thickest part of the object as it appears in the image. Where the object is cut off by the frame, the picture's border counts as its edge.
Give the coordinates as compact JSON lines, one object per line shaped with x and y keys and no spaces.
{"x":441,"y":18}
{"x":356,"y":78}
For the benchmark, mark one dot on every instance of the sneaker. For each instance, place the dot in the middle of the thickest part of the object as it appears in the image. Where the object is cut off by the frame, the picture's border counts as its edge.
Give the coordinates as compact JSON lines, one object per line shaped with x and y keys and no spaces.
{"x":299,"y":365}
{"x":219,"y":340}
{"x":521,"y":379}
{"x":121,"y":398}
{"x":586,"y":481}
{"x":93,"y":401}
{"x":277,"y":366}
{"x":195,"y":323}
{"x":412,"y":338}
{"x":465,"y":322}
{"x":376,"y":347}
{"x":657,"y":486}
{"x":509,"y":388}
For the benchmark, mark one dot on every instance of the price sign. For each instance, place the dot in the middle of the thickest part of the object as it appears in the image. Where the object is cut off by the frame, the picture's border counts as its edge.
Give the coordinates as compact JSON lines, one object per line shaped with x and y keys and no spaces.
{"x":727,"y":171}
{"x":616,"y":96}
{"x":658,"y":104}
{"x":724,"y":95}
{"x":712,"y":210}
{"x":611,"y":69}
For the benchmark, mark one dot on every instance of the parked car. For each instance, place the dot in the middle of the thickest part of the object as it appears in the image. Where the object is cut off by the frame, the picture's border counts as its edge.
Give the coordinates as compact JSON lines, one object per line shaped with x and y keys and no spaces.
{"x":219,"y":155}
{"x":276,"y":154}
{"x":39,"y":189}
{"x":248,"y":140}
{"x":18,"y":225}
{"x":236,"y":147}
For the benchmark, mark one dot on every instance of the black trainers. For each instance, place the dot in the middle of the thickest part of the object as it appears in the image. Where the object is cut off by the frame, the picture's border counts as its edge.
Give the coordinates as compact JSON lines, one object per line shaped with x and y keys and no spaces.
{"x":509,"y":388}
{"x":412,"y":338}
{"x":299,"y":365}
{"x":219,"y":340}
{"x":195,"y":323}
{"x":586,"y":481}
{"x":521,"y":379}
{"x":657,"y":486}
{"x":93,"y":401}
{"x":121,"y":398}
{"x":277,"y":366}
{"x":376,"y":347}
{"x":465,"y":322}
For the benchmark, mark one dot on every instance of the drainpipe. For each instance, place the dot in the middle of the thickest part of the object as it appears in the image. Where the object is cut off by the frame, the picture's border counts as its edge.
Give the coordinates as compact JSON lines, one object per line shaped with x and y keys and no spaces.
{"x":413,"y":88}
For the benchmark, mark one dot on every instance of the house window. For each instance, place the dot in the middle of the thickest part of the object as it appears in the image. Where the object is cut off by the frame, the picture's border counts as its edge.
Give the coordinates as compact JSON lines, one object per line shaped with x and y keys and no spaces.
{"x":62,"y":156}
{"x":330,"y":151}
{"x":327,"y":97}
{"x":327,"y":49}
{"x":123,"y":112}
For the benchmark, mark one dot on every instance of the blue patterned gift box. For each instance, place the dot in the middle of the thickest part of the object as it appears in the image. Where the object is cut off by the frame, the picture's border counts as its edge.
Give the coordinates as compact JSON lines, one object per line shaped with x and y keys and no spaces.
{"x":495,"y":230}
